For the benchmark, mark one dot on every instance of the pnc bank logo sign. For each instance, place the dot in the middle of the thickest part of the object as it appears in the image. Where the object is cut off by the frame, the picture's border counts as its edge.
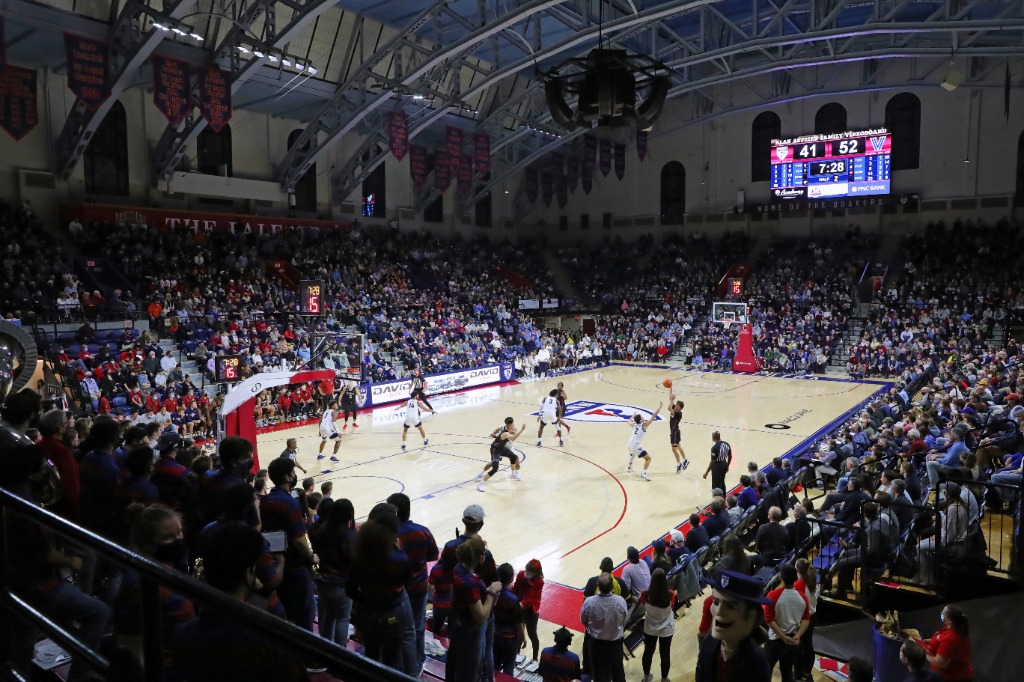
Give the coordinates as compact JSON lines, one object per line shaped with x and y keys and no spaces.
{"x":590,"y":411}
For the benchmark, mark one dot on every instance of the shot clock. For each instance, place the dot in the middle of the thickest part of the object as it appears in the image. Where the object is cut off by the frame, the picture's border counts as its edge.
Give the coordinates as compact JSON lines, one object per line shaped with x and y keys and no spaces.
{"x":311,"y":297}
{"x":832,"y":166}
{"x":227,"y":368}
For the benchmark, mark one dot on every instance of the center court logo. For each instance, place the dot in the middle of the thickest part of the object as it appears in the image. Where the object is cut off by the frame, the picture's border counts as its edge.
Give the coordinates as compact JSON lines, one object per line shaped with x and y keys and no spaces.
{"x":590,"y":411}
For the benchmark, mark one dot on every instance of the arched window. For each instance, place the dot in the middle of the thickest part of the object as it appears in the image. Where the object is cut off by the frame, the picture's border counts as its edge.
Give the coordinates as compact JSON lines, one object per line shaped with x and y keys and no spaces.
{"x":106,"y":157}
{"x":903,"y":119}
{"x":830,"y":119}
{"x":673,"y":193}
{"x":1019,"y":201}
{"x":374,"y":196}
{"x":483,"y":206}
{"x":305,"y":188}
{"x":767,"y":126}
{"x":213,"y":152}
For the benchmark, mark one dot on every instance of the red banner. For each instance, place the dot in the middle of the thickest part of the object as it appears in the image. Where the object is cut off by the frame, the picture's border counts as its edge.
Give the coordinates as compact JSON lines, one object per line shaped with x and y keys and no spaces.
{"x":87,"y":70}
{"x":172,"y":88}
{"x":215,"y":97}
{"x":465,"y":176}
{"x":399,"y":132}
{"x":605,"y":162}
{"x":572,"y":173}
{"x":453,"y":143}
{"x":442,"y":171}
{"x":196,"y":221}
{"x":417,"y":166}
{"x":620,"y":159}
{"x":641,"y":144}
{"x":18,"y":112}
{"x":482,"y":154}
{"x":531,"y":184}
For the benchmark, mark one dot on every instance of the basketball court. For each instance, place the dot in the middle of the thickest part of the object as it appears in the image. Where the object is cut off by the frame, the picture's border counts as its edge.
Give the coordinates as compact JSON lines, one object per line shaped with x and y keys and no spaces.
{"x":575,"y":504}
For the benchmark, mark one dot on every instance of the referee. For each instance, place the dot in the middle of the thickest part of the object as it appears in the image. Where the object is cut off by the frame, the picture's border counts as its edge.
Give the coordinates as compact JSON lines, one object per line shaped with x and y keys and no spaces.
{"x":721,"y":458}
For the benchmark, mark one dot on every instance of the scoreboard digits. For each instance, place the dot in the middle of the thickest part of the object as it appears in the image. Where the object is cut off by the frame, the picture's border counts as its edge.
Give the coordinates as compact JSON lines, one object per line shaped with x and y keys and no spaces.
{"x":831,"y":166}
{"x":311,"y":297}
{"x":227,"y":368}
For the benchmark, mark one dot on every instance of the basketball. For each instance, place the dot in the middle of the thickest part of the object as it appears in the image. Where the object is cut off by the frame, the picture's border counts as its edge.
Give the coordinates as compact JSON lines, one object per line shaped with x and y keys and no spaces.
{"x":667,"y":383}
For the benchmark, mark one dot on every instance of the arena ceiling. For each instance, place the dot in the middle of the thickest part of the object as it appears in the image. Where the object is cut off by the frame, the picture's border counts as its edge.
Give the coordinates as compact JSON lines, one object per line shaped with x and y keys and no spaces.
{"x":474,"y":63}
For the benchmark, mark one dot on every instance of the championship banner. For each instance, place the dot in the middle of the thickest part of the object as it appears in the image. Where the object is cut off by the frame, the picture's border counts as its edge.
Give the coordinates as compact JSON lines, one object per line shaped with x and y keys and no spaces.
{"x":605,"y":164}
{"x":442,"y":172}
{"x":572,"y":173}
{"x":417,"y":165}
{"x":453,"y":143}
{"x":87,"y":70}
{"x":196,"y":221}
{"x":465,"y":176}
{"x":620,"y":160}
{"x":531,"y":185}
{"x":215,"y":97}
{"x":18,"y":112}
{"x":482,"y":154}
{"x":561,"y":190}
{"x":546,"y":187}
{"x":589,"y":155}
{"x":172,"y":88}
{"x":399,"y":132}
{"x":587,"y":182}
{"x":641,"y":144}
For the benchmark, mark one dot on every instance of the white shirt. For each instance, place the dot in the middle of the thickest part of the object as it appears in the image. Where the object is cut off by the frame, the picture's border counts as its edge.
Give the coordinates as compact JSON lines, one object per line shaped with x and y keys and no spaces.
{"x":548,"y":408}
{"x":167,"y":363}
{"x":637,"y":437}
{"x":412,"y":411}
{"x":327,"y":420}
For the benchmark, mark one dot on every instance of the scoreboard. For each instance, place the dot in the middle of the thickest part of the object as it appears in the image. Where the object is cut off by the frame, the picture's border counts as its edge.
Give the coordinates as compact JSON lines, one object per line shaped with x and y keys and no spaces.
{"x":829,"y":166}
{"x":311,"y":297}
{"x":227,"y":368}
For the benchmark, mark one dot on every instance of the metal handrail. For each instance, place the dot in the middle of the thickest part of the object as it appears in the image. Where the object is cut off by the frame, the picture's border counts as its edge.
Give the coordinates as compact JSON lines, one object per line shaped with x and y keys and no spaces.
{"x":338,"y":660}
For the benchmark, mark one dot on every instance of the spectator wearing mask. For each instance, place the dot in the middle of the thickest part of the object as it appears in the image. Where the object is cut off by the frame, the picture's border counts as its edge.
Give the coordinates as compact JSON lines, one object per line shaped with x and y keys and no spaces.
{"x":949,"y":650}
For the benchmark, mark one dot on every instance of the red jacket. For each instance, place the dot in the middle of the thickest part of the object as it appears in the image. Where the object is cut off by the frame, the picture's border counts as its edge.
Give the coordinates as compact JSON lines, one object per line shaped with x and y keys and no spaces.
{"x":66,"y":465}
{"x":529,"y":591}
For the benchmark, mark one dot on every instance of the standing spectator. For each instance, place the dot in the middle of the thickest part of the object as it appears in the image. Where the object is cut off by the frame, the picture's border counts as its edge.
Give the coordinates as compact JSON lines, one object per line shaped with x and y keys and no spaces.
{"x":236,"y":461}
{"x":420,"y":547}
{"x":472,"y":603}
{"x":557,"y":663}
{"x":807,"y":585}
{"x":206,"y":649}
{"x":604,"y":617}
{"x":788,"y":617}
{"x":659,"y":624}
{"x":529,"y":587}
{"x":52,"y":426}
{"x":102,"y":479}
{"x":509,"y":632}
{"x":949,"y":650}
{"x":333,"y":541}
{"x":170,"y":478}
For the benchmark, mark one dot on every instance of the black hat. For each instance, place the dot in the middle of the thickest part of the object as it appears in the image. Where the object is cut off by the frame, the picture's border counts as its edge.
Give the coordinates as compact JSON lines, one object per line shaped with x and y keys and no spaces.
{"x":168,"y":441}
{"x":563,"y":636}
{"x":738,"y":585}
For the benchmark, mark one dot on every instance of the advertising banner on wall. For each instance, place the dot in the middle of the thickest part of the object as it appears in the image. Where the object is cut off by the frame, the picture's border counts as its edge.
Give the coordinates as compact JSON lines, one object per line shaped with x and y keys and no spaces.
{"x":18,"y":110}
{"x":87,"y":70}
{"x":196,"y":221}
{"x":447,"y":382}
{"x":215,"y":97}
{"x":398,"y":130}
{"x":172,"y":88}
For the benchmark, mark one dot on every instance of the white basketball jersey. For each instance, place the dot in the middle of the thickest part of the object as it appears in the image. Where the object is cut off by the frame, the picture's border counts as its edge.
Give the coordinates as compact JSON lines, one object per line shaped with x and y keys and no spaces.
{"x":412,"y":411}
{"x":637,"y":438}
{"x":549,"y":408}
{"x":327,"y":421}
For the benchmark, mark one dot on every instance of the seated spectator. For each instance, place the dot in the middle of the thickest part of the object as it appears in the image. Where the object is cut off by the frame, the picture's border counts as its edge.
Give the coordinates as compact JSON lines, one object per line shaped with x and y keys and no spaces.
{"x":773,"y":541}
{"x":718,"y":522}
{"x":636,"y":575}
{"x":557,"y":663}
{"x":748,"y":496}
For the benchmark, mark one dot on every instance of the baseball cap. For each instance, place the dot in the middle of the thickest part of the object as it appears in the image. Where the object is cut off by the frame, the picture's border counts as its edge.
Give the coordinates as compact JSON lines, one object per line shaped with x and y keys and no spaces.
{"x":168,"y":441}
{"x":533,"y":566}
{"x":1017,"y":412}
{"x":632,"y":553}
{"x":1012,"y":396}
{"x":659,"y":545}
{"x":677,"y":535}
{"x":474,"y":513}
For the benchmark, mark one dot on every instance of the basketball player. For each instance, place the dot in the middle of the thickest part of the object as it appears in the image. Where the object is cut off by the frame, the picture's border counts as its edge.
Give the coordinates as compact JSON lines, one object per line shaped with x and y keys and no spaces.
{"x":675,"y":439}
{"x":419,"y":388}
{"x":413,"y":417}
{"x":721,"y":458}
{"x":635,"y":445}
{"x":328,"y":430}
{"x":350,"y":405}
{"x":548,"y":415}
{"x":560,"y":412}
{"x":501,"y":446}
